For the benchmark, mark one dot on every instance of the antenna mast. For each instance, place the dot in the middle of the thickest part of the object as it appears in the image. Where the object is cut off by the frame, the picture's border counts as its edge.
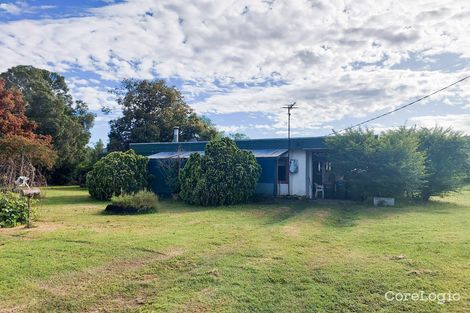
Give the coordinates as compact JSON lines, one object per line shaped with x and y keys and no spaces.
{"x":289,"y":107}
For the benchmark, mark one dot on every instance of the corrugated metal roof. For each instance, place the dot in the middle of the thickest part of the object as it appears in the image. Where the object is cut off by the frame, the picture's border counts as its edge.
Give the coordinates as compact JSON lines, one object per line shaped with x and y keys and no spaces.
{"x":248,"y":144}
{"x":173,"y":155}
{"x":263,"y":153}
{"x":268,"y":153}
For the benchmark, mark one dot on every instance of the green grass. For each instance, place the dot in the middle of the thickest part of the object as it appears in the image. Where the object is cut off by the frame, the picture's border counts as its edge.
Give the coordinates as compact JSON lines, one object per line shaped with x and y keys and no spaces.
{"x":283,"y":257}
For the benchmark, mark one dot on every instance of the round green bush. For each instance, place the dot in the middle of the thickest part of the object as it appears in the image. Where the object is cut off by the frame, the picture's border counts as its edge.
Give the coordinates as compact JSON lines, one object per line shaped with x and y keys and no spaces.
{"x":13,"y":210}
{"x":139,"y":203}
{"x":117,"y":173}
{"x":224,"y":175}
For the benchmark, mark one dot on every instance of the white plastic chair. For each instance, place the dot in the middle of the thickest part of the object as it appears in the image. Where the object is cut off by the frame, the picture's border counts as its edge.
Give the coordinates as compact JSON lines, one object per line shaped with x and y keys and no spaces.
{"x":318,"y":189}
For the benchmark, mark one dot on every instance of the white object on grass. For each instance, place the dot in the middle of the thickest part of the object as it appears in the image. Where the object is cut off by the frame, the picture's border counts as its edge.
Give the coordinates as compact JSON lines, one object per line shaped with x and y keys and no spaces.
{"x":382,"y":201}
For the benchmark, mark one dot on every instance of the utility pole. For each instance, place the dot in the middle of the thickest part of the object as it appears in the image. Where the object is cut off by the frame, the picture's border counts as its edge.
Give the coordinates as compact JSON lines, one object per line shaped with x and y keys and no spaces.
{"x":289,"y":107}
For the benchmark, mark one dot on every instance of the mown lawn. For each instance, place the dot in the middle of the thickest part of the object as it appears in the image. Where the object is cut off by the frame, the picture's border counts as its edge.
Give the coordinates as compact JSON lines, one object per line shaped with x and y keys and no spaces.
{"x":279,"y":257}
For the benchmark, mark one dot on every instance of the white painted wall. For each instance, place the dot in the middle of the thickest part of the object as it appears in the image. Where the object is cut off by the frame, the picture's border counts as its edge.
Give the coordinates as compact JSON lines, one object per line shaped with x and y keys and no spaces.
{"x":298,"y":181}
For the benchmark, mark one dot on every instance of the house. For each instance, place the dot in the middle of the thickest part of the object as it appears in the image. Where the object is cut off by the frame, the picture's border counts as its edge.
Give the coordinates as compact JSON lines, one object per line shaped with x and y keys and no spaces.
{"x":308,"y":168}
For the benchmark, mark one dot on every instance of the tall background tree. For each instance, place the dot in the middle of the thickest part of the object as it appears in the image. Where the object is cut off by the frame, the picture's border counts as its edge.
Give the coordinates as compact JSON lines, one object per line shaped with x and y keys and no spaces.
{"x":51,"y":107}
{"x":22,"y":153}
{"x":92,"y":155}
{"x":421,"y":162}
{"x":372,"y":165}
{"x":150,"y":111}
{"x":447,"y":163}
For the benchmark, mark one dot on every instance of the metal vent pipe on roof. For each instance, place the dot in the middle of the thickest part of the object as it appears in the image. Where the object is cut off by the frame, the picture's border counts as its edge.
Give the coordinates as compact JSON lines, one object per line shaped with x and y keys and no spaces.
{"x":176,"y":134}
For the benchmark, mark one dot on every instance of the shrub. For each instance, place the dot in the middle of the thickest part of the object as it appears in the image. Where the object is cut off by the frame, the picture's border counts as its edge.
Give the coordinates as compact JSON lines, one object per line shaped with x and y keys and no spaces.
{"x":385,"y":165}
{"x":191,"y":180}
{"x":13,"y":210}
{"x":171,"y":169}
{"x":447,"y":162}
{"x":117,"y":173}
{"x":224,"y":175}
{"x":139,"y":203}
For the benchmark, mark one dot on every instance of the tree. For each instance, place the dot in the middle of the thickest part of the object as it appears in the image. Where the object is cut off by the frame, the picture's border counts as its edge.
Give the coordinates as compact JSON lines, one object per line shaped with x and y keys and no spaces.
{"x":92,"y":155}
{"x":224,"y":175}
{"x":13,"y":121}
{"x":117,"y":173}
{"x":446,"y":160}
{"x":385,"y":165}
{"x":170,"y":169}
{"x":151,"y":110}
{"x":22,"y":156}
{"x":22,"y":151}
{"x":238,"y":136}
{"x":401,"y":163}
{"x":192,"y":182}
{"x":51,"y":107}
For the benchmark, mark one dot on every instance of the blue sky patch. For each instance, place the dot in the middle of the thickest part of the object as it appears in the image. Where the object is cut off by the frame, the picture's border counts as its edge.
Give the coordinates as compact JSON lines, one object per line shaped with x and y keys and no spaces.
{"x":239,"y":63}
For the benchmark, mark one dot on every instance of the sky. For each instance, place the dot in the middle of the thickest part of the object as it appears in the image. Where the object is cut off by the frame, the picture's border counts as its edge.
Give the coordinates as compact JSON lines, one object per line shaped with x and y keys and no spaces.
{"x":239,"y":62}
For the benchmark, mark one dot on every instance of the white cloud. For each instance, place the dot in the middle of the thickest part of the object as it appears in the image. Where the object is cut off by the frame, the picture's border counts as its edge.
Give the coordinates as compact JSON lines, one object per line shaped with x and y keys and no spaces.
{"x":232,"y":129}
{"x":336,"y":58}
{"x":94,"y":96}
{"x":10,"y":8}
{"x":20,"y":7}
{"x":459,"y":122}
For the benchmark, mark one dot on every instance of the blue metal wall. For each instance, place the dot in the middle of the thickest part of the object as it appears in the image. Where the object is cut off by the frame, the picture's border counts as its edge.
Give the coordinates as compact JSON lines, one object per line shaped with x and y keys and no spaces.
{"x":266,"y":183}
{"x":158,"y":181}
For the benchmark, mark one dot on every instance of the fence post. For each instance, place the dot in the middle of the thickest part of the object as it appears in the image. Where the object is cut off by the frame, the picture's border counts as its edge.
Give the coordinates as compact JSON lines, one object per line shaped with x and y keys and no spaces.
{"x":28,"y":225}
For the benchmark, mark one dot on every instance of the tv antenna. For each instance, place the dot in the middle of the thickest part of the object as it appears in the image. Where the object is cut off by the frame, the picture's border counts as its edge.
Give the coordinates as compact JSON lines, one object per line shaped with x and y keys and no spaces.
{"x":289,"y":107}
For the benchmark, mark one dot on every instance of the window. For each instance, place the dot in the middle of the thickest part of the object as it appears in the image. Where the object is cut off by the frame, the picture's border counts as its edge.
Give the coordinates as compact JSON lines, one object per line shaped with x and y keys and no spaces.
{"x":282,"y":171}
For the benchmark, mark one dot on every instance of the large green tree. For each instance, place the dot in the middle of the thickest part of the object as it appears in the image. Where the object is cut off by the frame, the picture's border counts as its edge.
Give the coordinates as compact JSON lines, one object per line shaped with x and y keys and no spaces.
{"x":151,"y":109}
{"x":92,"y":155}
{"x":22,"y":152}
{"x":386,"y":165}
{"x":51,"y":107}
{"x":447,"y":164}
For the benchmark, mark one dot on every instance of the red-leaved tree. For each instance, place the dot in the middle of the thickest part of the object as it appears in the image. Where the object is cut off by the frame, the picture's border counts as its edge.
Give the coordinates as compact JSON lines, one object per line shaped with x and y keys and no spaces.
{"x":22,"y":152}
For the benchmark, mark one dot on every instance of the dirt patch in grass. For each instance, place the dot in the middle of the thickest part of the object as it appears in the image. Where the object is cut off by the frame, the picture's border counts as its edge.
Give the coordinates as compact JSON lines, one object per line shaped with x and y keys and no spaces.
{"x":199,"y":303}
{"x":255,"y":213}
{"x":116,"y":285}
{"x":19,"y":308}
{"x":64,"y":284}
{"x":292,"y":230}
{"x":322,"y":216}
{"x":38,"y":228}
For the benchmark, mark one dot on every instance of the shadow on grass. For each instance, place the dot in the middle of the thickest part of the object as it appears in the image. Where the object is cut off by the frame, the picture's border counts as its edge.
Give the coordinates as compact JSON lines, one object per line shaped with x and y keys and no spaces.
{"x":340,"y":213}
{"x":283,"y":214}
{"x":108,"y":213}
{"x":67,"y":195}
{"x":330,"y":213}
{"x":342,"y":217}
{"x":71,"y":200}
{"x":336,"y":213}
{"x":348,"y":216}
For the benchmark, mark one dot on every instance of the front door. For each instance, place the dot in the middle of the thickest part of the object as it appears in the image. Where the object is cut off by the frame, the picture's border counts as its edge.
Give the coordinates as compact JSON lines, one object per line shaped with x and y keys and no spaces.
{"x":282,"y":177}
{"x":322,"y":175}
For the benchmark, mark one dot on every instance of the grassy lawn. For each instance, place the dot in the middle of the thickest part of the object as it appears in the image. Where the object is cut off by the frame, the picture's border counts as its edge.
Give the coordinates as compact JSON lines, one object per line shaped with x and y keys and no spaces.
{"x":281,"y":257}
